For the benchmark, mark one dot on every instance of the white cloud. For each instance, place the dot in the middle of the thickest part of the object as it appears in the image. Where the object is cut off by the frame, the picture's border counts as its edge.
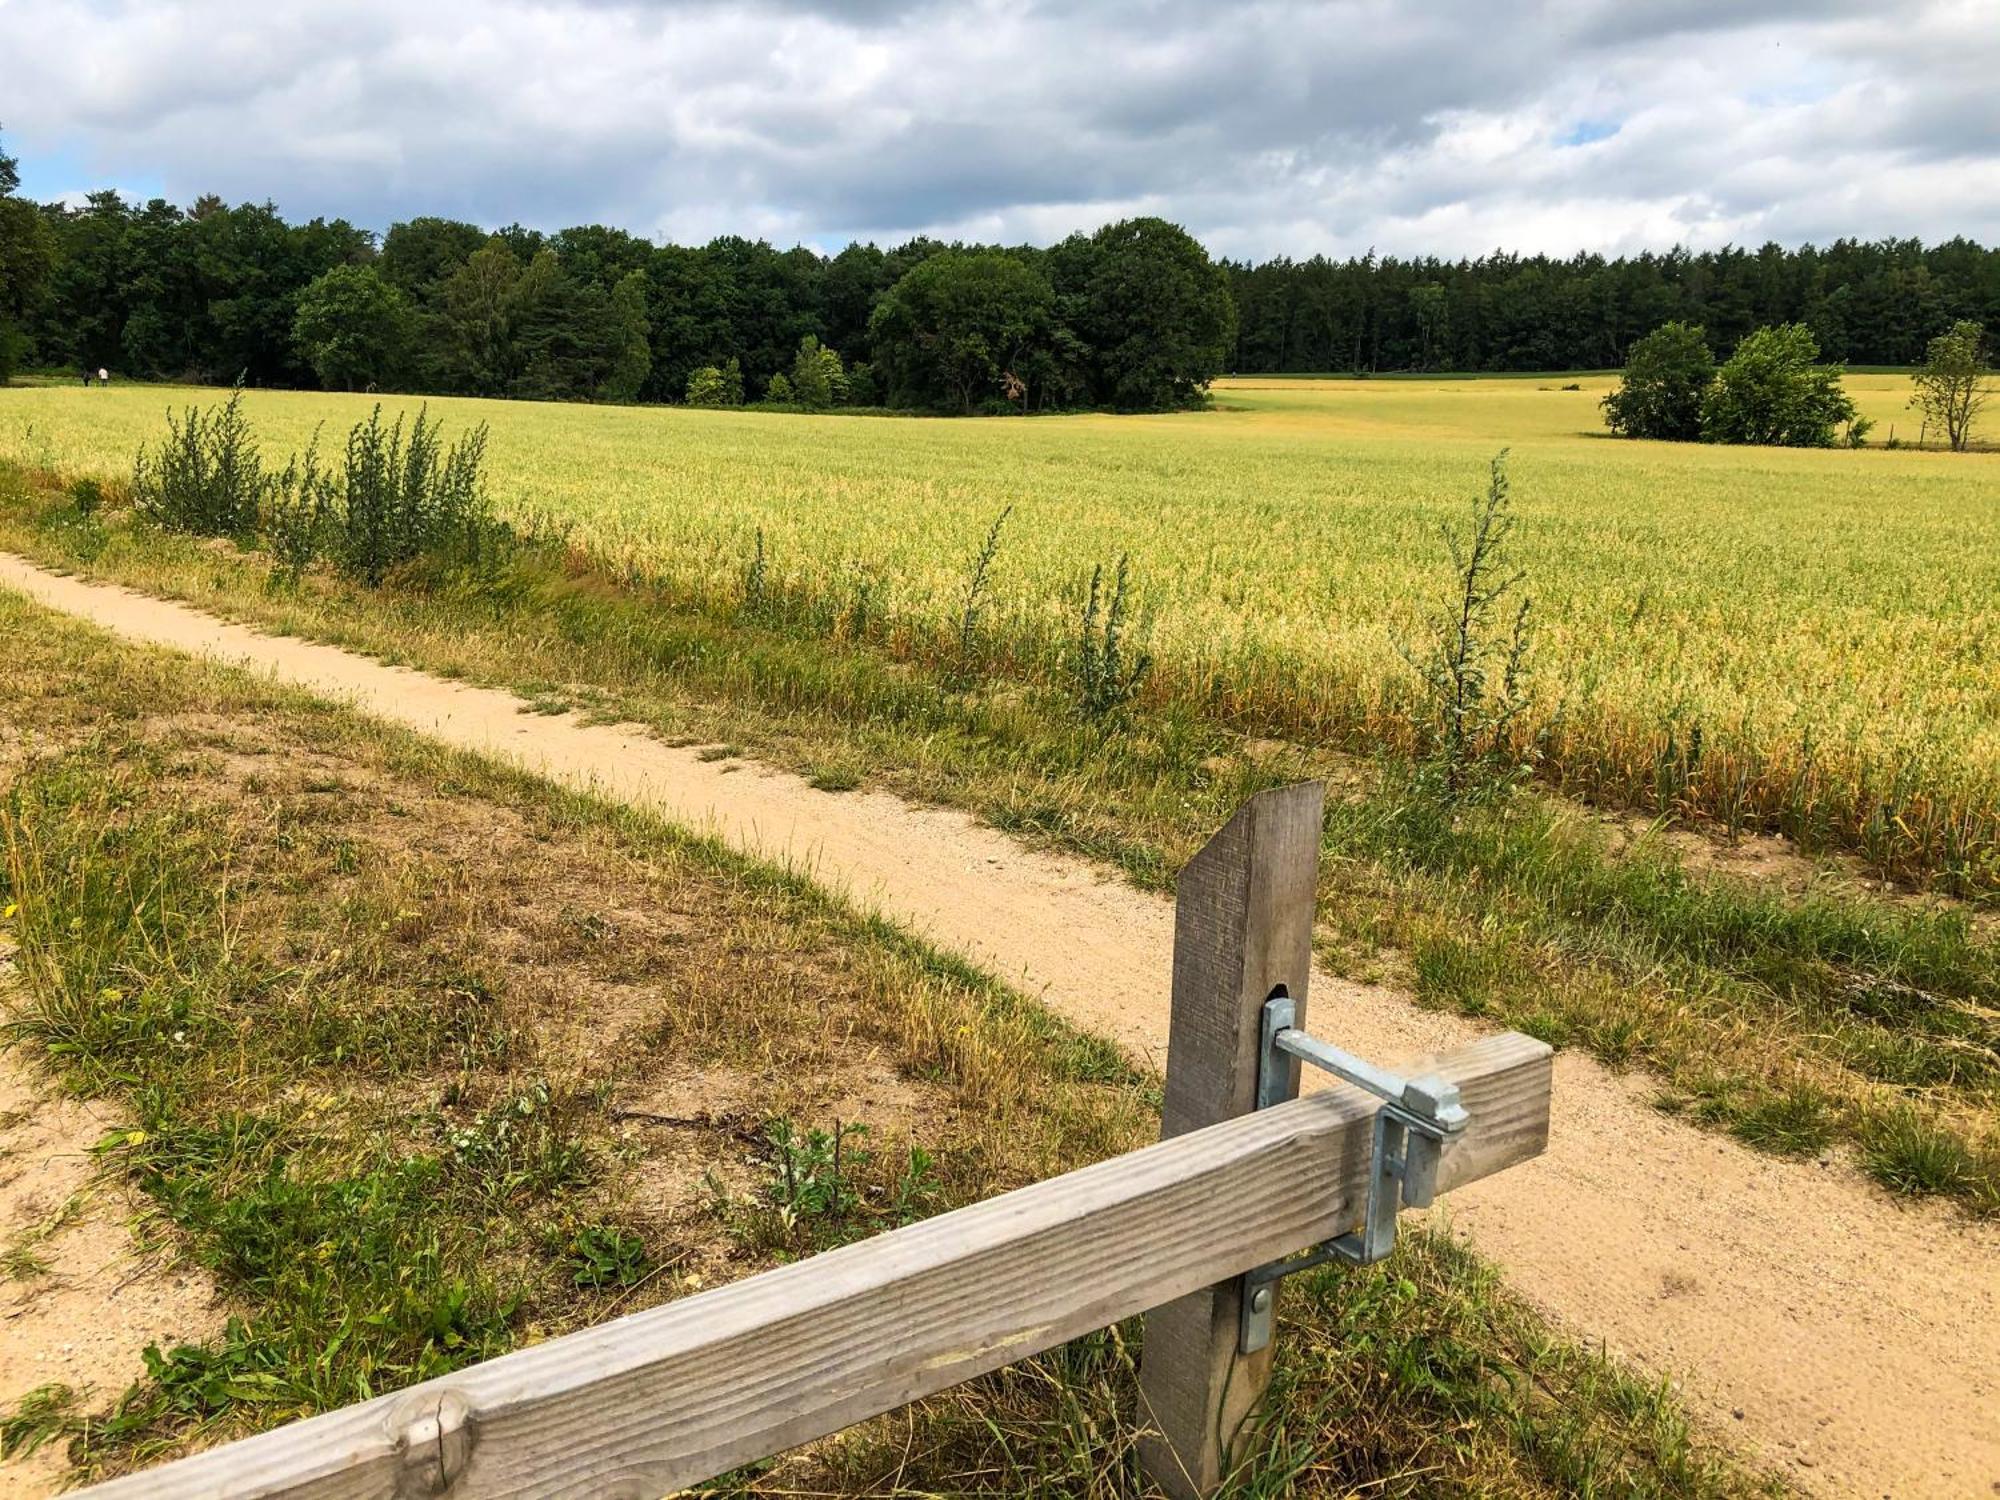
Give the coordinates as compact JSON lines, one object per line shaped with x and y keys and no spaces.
{"x":1276,"y":126}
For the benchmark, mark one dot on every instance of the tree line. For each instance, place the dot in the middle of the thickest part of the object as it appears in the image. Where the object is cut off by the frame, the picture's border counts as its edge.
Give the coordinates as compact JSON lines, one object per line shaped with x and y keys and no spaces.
{"x":1865,"y":303}
{"x":1136,"y":316}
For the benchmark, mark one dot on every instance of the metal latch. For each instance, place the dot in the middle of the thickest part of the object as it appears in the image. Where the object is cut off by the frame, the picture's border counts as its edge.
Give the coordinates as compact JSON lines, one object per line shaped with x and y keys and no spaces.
{"x":1417,"y":1117}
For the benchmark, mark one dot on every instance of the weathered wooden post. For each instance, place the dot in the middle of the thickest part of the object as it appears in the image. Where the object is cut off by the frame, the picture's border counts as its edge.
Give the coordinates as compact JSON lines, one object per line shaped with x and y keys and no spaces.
{"x":1243,"y":921}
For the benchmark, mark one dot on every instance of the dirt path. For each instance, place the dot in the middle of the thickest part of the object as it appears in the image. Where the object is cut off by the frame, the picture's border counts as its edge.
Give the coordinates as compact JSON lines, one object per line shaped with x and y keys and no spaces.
{"x":1850,"y":1339}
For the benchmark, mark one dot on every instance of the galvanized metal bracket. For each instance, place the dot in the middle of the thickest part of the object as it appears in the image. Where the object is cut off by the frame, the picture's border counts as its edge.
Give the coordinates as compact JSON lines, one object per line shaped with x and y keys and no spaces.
{"x":1416,"y":1118}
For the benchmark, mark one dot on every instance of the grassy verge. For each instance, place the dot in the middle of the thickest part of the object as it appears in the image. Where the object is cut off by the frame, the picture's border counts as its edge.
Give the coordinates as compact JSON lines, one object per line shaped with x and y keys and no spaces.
{"x":421,"y":1059}
{"x":1799,"y":1010}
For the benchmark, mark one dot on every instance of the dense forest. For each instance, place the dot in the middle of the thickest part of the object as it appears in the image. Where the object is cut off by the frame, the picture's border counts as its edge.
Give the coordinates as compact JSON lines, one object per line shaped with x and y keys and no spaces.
{"x":1866,"y":304}
{"x":1135,"y":316}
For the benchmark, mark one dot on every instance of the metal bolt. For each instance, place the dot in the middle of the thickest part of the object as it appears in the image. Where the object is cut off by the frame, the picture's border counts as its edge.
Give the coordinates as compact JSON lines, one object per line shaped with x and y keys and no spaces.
{"x":1260,"y":1300}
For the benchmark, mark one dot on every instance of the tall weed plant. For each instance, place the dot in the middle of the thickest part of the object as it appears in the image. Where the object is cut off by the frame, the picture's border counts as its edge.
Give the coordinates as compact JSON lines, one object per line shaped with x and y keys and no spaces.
{"x":1108,"y":669}
{"x":399,"y":495}
{"x":1474,"y":666}
{"x":406,"y":495}
{"x":206,"y":477}
{"x":300,"y":511}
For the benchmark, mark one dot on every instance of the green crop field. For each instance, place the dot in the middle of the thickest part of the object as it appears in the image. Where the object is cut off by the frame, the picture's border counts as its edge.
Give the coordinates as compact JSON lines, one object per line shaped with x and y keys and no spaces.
{"x":1799,"y":638}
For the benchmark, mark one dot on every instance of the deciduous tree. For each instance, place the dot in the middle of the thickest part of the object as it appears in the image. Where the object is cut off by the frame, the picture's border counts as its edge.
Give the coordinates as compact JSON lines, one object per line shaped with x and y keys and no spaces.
{"x":818,"y":377}
{"x":27,"y":256}
{"x":944,"y":334}
{"x":419,"y":254}
{"x":1153,"y":311}
{"x":1666,"y":380}
{"x":1951,"y":388}
{"x":353,"y":328}
{"x":1774,"y":390}
{"x":475,"y":328}
{"x":631,"y":353}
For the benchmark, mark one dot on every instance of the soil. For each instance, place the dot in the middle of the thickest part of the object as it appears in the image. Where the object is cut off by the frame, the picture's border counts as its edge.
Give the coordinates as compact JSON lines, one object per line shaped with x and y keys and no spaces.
{"x":79,"y":1304}
{"x":1849,"y":1339}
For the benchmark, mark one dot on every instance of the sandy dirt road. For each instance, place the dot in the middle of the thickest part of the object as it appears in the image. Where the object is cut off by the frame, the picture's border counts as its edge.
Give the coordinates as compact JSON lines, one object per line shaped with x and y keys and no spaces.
{"x":1849,"y":1340}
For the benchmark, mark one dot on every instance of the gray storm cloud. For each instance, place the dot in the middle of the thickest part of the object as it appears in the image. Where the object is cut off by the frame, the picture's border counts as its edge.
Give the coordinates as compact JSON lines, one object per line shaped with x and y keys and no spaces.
{"x":1267,"y":128}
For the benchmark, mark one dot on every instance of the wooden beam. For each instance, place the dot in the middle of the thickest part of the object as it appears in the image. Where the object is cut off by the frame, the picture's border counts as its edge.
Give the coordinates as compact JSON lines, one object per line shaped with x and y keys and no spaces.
{"x":660,"y":1400}
{"x":1243,"y":924}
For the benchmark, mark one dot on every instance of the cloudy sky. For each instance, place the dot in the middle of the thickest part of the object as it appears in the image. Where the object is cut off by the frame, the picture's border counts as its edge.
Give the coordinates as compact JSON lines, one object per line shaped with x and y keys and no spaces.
{"x":1446,"y":126}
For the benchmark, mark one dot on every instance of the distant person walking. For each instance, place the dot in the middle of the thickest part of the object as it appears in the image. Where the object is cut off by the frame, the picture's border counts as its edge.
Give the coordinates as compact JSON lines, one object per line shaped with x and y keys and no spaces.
{"x":103,"y":376}
{"x":86,"y":377}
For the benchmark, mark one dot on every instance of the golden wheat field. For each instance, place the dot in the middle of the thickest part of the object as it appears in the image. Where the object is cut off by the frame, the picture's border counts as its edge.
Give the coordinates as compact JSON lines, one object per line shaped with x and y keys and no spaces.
{"x":1822,"y":627}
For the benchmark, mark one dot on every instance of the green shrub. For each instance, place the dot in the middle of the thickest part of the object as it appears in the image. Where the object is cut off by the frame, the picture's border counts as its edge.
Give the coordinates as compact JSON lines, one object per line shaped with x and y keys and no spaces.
{"x":299,"y":512}
{"x":406,"y":497}
{"x":1667,"y":374}
{"x":206,"y":478}
{"x":1774,"y":391}
{"x":862,"y":387}
{"x":716,"y":385}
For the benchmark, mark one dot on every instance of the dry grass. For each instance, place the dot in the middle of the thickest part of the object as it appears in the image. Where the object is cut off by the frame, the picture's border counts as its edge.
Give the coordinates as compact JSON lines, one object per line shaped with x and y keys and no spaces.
{"x":426,"y":1059}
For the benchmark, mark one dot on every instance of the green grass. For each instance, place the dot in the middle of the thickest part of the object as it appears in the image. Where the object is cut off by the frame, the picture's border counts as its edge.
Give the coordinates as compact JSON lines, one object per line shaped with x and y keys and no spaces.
{"x":325,"y":978}
{"x":1775,"y":638}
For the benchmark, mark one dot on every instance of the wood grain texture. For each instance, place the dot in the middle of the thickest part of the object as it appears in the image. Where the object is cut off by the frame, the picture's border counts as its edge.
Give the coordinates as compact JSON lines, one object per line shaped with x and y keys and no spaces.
{"x":660,"y":1400}
{"x":1243,"y":921}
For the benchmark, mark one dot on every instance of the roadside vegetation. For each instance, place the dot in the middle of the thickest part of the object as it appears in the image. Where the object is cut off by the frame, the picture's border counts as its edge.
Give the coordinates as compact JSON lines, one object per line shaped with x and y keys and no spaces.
{"x":1801,"y":1009}
{"x":419,"y":1059}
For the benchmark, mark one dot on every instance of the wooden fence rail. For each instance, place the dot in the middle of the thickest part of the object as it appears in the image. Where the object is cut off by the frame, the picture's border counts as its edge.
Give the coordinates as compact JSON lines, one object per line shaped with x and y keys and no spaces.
{"x":663,"y":1399}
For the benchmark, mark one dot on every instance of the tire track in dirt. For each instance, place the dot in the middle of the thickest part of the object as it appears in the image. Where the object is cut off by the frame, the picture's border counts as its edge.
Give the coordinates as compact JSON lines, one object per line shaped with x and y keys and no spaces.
{"x":1849,"y":1339}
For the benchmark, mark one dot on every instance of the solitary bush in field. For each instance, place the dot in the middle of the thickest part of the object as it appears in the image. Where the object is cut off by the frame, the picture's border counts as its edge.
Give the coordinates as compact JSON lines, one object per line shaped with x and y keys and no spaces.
{"x":206,"y":478}
{"x":405,"y":497}
{"x":1951,"y":386}
{"x":1773,"y":390}
{"x":1667,"y":374}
